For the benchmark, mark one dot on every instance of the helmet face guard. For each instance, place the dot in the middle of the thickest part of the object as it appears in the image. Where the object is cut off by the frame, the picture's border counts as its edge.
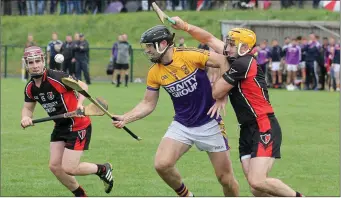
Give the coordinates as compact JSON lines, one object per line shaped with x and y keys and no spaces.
{"x":31,"y":56}
{"x":238,"y":37}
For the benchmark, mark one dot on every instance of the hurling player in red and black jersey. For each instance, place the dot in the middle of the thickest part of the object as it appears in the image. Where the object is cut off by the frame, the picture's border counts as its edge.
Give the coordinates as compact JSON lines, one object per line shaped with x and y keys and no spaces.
{"x":244,"y":82}
{"x":70,"y":136}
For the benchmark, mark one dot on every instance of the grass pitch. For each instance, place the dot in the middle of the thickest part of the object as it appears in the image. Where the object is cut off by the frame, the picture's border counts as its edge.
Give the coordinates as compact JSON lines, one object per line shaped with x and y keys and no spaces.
{"x":310,"y":148}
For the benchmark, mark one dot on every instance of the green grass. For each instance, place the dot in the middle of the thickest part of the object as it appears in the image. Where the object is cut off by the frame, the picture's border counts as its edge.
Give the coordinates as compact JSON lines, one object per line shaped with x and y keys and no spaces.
{"x":310,"y":147}
{"x":102,"y":31}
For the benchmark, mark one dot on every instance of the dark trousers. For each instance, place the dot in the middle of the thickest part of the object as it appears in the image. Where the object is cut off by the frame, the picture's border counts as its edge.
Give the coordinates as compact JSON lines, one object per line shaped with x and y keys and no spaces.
{"x":322,"y":76}
{"x":54,"y":65}
{"x":82,"y":65}
{"x":69,"y":66}
{"x":311,"y":74}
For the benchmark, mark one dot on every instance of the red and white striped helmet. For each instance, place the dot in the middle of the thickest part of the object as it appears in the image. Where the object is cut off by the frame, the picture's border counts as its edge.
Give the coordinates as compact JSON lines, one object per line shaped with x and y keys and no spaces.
{"x":32,"y":53}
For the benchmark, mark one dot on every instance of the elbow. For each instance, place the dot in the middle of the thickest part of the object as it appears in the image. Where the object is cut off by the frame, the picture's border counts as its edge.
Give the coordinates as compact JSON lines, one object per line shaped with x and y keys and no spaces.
{"x":215,"y":94}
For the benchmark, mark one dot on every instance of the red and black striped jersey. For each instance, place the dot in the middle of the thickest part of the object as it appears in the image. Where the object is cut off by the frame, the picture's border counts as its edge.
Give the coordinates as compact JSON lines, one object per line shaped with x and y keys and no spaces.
{"x":56,"y":98}
{"x":249,"y":96}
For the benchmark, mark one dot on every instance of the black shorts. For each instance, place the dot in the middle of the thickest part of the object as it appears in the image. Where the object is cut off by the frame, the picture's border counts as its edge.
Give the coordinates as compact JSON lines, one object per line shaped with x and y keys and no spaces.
{"x":74,"y":140}
{"x":254,"y":143}
{"x":121,"y":66}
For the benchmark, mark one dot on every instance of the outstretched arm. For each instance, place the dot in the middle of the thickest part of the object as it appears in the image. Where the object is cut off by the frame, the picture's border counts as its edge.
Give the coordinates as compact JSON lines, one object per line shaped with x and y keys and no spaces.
{"x":199,"y":34}
{"x":144,"y":108}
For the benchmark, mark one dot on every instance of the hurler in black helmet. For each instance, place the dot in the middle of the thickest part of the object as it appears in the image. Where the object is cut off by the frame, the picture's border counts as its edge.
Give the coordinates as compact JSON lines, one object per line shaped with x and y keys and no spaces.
{"x":181,"y":72}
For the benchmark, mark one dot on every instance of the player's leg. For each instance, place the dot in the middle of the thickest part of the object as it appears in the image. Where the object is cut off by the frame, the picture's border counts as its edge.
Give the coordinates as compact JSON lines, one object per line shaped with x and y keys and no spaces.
{"x":223,"y":169}
{"x":279,"y":73}
{"x":77,"y":142}
{"x":173,"y":145}
{"x":57,"y":147}
{"x":212,"y":138}
{"x":55,"y":165}
{"x":265,"y":148}
{"x":245,"y":160}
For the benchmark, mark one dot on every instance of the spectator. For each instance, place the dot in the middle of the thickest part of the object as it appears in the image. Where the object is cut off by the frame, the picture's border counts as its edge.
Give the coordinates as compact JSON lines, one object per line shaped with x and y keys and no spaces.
{"x":182,"y":42}
{"x":41,"y":7}
{"x":21,"y":7}
{"x":323,"y":61}
{"x":263,"y":57}
{"x":53,"y":6}
{"x":63,"y":7}
{"x":203,"y":46}
{"x":53,"y":48}
{"x":124,"y":52}
{"x":31,"y":7}
{"x":336,"y":64}
{"x":114,"y":57}
{"x":292,"y":59}
{"x":81,"y":54}
{"x":330,"y":70}
{"x":302,"y":42}
{"x":66,"y":50}
{"x":312,"y":53}
{"x":275,"y":62}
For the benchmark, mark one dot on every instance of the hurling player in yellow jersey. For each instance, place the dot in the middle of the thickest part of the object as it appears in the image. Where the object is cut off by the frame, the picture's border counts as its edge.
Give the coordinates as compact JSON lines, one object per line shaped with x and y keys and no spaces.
{"x":181,"y":72}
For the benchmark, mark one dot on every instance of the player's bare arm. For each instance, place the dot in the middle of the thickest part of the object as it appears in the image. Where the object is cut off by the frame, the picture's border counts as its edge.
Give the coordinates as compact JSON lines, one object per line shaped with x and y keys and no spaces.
{"x":199,"y":34}
{"x":221,"y":88}
{"x":27,"y":114}
{"x":144,"y":108}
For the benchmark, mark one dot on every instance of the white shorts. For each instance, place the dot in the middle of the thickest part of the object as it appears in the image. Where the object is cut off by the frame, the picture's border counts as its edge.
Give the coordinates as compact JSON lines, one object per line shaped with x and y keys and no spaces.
{"x":275,"y":66}
{"x":302,"y":65}
{"x":210,"y":137}
{"x":291,"y":67}
{"x":336,"y":67}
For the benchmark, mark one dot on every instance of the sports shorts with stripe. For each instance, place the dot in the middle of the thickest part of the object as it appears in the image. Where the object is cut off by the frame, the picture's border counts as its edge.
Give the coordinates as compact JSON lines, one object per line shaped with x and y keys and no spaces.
{"x":74,"y":140}
{"x":210,"y":137}
{"x":256,"y":143}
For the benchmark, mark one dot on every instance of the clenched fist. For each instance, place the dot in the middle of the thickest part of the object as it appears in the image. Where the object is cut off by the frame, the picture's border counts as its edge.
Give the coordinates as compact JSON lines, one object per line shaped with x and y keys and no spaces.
{"x":26,"y":121}
{"x":180,"y":24}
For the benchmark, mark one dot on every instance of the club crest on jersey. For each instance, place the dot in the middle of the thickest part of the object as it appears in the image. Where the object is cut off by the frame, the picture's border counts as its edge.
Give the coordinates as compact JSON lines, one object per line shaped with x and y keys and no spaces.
{"x":82,"y":134}
{"x":184,"y":69}
{"x":50,"y":95}
{"x":265,"y":138}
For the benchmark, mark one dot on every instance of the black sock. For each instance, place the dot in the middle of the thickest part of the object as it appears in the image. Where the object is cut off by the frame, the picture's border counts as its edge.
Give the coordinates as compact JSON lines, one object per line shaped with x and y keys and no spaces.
{"x":118,"y":79}
{"x":79,"y":192}
{"x":126,"y":79}
{"x":298,"y":194}
{"x":100,"y":169}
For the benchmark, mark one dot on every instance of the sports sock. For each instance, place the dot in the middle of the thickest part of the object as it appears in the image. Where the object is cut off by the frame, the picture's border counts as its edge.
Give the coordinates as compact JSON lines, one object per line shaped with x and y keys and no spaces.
{"x":118,"y":79}
{"x":79,"y":192}
{"x":183,"y":191}
{"x":298,"y":194}
{"x":126,"y":79}
{"x":101,"y":169}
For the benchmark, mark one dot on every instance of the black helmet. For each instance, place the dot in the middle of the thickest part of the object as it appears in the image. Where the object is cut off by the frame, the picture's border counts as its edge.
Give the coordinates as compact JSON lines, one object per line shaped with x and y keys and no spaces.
{"x":157,"y":34}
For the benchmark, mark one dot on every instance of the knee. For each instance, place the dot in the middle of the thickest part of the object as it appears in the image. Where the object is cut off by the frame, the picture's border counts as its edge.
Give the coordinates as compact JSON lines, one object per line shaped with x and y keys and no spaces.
{"x":162,"y":165}
{"x":255,"y":184}
{"x":55,"y":168}
{"x":227,"y":179}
